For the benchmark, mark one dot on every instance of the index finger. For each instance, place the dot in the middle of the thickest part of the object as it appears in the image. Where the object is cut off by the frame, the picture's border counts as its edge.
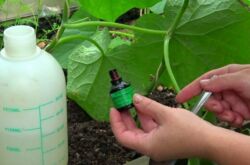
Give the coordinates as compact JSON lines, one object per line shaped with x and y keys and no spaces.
{"x":194,"y":88}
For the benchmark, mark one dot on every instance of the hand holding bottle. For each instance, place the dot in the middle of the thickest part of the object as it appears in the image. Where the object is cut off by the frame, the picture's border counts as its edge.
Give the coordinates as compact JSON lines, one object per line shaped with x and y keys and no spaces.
{"x":166,"y":133}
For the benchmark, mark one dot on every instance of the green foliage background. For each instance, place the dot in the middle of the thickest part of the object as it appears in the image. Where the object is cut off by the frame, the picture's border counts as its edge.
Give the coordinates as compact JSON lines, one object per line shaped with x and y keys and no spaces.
{"x":110,"y":10}
{"x":210,"y":34}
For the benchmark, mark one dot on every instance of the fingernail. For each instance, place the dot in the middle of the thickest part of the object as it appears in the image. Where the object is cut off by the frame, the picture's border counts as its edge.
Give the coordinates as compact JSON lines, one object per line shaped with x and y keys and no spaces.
{"x":216,"y":108}
{"x":214,"y":77}
{"x":229,"y":117}
{"x":205,"y":81}
{"x":112,"y":109}
{"x":137,"y":98}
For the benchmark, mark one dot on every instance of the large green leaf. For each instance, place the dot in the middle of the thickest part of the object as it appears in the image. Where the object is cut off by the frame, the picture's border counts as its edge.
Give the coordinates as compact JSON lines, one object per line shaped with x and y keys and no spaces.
{"x":158,"y":22}
{"x":159,"y":7}
{"x":62,"y":51}
{"x":210,"y":35}
{"x":110,"y":10}
{"x":88,"y":79}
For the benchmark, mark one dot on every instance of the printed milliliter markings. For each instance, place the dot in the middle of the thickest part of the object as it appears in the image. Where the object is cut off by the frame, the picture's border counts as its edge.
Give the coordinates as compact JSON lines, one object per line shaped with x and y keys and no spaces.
{"x":17,"y":109}
{"x":11,"y":109}
{"x":13,"y":149}
{"x":38,"y":108}
{"x":19,"y":130}
{"x":42,"y":136}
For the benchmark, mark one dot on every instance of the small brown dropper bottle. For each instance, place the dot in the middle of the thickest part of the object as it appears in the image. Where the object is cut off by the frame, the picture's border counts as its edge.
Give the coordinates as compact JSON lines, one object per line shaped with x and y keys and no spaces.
{"x":121,"y":92}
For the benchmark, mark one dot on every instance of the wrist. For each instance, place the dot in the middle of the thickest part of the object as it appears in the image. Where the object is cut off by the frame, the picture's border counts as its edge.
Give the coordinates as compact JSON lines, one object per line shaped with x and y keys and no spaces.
{"x":225,"y":146}
{"x":206,"y":142}
{"x":212,"y":138}
{"x":200,"y":141}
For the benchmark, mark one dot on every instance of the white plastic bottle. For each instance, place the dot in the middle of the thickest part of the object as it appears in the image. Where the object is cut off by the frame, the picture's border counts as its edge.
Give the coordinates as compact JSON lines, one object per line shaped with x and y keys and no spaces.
{"x":33,"y":116}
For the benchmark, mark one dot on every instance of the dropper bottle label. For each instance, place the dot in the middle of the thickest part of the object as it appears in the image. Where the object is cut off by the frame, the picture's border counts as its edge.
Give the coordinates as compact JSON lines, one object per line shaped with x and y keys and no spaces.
{"x":121,"y":92}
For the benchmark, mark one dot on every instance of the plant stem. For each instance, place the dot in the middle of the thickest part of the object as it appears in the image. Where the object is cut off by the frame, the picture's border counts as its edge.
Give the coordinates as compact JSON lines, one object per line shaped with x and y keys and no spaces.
{"x":166,"y":47}
{"x":161,"y":68}
{"x":167,"y":63}
{"x":66,"y":12}
{"x":116,"y":25}
{"x":51,"y":45}
{"x":178,"y":18}
{"x":60,"y":32}
{"x":80,"y":37}
{"x":129,"y":35}
{"x":80,"y":20}
{"x":54,"y":42}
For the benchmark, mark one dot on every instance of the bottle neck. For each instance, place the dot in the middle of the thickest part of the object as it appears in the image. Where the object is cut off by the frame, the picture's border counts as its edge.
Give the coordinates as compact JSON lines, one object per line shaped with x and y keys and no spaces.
{"x":116,"y":82}
{"x":19,"y":42}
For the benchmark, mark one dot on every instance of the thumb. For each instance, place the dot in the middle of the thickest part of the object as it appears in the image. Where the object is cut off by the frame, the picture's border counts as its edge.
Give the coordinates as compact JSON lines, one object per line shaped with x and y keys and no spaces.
{"x":150,"y":108}
{"x":220,"y":83}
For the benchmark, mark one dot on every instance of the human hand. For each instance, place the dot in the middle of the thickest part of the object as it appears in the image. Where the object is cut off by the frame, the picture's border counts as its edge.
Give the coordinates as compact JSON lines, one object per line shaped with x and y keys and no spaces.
{"x":165,"y":134}
{"x":231,"y":96}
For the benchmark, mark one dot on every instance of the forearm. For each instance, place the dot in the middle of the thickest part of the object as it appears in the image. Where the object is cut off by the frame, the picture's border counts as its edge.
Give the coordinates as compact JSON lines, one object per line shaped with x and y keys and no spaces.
{"x":227,"y":147}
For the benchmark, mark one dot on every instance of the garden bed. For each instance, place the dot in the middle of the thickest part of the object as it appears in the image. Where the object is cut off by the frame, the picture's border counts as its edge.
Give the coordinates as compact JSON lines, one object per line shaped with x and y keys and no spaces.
{"x":92,"y":142}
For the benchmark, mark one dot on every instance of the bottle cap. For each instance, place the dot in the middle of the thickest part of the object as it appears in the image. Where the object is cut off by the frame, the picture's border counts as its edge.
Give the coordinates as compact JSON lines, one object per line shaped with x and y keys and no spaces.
{"x":19,"y":42}
{"x":114,"y":75}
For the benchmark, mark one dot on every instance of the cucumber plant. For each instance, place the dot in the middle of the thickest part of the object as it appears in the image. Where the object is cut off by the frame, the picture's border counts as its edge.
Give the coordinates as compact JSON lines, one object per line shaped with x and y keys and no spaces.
{"x":182,"y":40}
{"x":189,"y":38}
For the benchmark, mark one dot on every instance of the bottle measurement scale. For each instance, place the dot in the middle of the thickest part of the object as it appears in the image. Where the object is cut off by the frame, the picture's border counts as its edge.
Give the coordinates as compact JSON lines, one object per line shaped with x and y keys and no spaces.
{"x":33,"y":110}
{"x":39,"y":147}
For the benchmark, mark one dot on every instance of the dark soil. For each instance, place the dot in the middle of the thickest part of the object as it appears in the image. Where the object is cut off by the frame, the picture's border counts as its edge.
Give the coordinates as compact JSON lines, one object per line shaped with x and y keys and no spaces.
{"x":93,"y":143}
{"x":164,"y":96}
